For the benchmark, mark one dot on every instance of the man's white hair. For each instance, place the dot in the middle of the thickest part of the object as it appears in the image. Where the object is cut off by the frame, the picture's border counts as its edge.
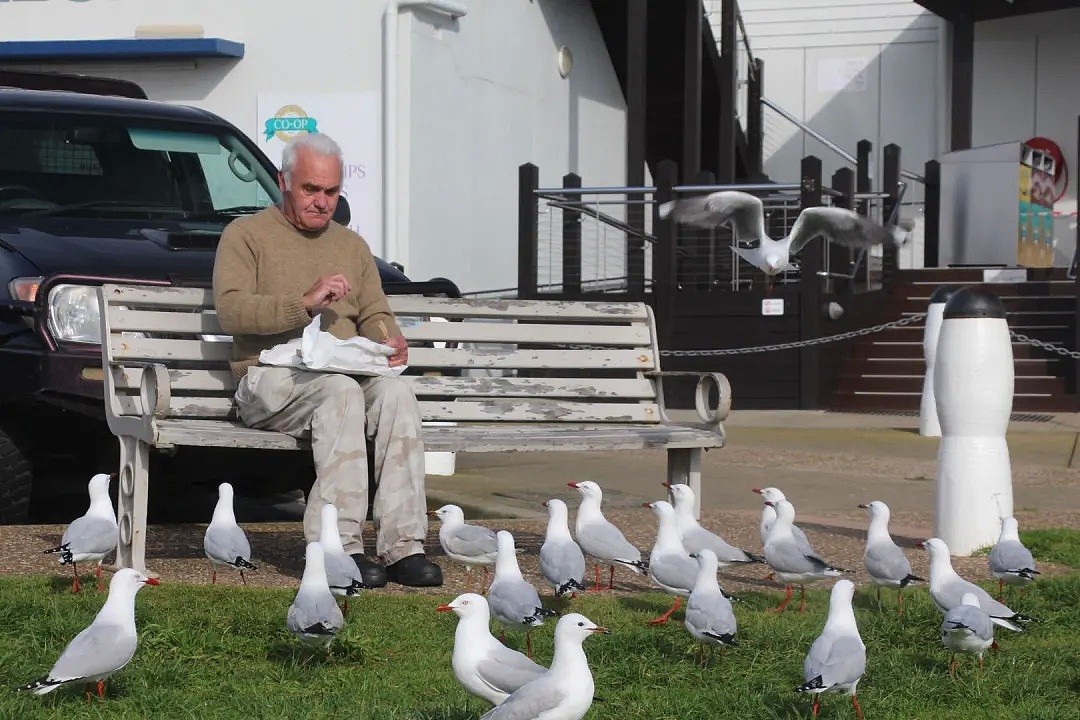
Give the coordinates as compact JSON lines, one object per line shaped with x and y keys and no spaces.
{"x":318,"y":143}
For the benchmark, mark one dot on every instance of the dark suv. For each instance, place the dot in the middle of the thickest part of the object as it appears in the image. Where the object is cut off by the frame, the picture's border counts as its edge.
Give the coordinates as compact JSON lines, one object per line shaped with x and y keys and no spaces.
{"x":96,"y":187}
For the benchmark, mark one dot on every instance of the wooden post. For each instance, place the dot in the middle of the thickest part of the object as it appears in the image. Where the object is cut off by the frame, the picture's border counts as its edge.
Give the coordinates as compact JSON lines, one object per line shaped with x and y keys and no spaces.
{"x":932,"y":214}
{"x":667,"y":174}
{"x":890,"y":183}
{"x":636,"y":99}
{"x":755,"y":126}
{"x":809,"y":291}
{"x":963,"y":82}
{"x":843,"y":181}
{"x":528,"y":230}
{"x":729,"y":89}
{"x":864,"y":159}
{"x":691,"y":115}
{"x":571,"y":241}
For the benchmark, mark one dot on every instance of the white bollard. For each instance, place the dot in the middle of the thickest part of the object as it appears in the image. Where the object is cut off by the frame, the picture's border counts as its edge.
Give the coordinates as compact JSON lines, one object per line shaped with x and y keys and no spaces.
{"x":928,"y":419}
{"x":973,"y":385}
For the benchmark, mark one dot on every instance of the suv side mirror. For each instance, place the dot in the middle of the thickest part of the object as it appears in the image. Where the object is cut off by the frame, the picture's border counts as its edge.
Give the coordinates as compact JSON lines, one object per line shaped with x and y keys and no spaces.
{"x":342,"y":213}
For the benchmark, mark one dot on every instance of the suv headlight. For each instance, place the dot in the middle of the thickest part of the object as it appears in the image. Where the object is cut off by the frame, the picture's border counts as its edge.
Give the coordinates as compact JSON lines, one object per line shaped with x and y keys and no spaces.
{"x":75,"y":313}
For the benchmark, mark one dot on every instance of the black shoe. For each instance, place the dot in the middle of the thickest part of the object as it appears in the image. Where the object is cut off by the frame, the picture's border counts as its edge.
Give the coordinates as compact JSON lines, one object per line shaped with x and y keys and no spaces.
{"x":373,"y":574}
{"x":415,"y":570}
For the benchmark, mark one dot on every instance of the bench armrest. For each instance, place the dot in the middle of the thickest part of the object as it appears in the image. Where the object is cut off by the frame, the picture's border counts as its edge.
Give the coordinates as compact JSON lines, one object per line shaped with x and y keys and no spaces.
{"x":710,"y":417}
{"x":155,"y":394}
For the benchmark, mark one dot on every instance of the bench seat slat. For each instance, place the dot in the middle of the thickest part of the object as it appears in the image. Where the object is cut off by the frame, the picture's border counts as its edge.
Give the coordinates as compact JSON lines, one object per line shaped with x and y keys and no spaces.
{"x":412,"y":305}
{"x":500,"y":437}
{"x":538,"y":410}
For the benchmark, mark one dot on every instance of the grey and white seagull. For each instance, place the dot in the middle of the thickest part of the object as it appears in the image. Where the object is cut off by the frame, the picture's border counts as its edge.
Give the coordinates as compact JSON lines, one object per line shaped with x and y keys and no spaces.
{"x":470,"y":545}
{"x":224,"y":541}
{"x":709,"y":616}
{"x":789,"y":561}
{"x":562,"y":563}
{"x":565,"y":690}
{"x":314,"y":616}
{"x":746,"y":215}
{"x":947,"y":589}
{"x":103,"y":647}
{"x":695,"y":538}
{"x":1010,"y":562}
{"x":885,"y":562}
{"x":967,"y":629}
{"x":483,"y":665}
{"x":837,"y":659}
{"x":599,"y":538}
{"x":514,"y":602}
{"x":92,"y":536}
{"x":342,"y":573}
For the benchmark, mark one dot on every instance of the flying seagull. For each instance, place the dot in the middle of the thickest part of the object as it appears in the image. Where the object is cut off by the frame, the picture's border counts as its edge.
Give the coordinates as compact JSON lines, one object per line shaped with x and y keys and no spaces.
{"x":746,"y":215}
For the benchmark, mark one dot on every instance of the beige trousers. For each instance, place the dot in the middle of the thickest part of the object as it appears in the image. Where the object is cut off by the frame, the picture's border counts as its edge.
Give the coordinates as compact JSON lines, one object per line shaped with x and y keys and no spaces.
{"x":342,"y":414}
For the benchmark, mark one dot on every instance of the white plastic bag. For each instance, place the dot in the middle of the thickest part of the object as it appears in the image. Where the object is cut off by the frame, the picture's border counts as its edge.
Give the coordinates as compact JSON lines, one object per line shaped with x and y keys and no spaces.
{"x":321,"y":351}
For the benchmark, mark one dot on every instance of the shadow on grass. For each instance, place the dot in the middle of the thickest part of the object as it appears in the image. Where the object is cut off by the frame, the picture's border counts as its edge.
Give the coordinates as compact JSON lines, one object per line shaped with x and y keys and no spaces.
{"x":61,"y":584}
{"x":341,"y":651}
{"x":462,"y":713}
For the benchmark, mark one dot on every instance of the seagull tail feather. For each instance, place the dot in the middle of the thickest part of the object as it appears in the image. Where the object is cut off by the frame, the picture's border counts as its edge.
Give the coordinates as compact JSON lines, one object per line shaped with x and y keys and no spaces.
{"x":813,"y":686}
{"x":909,"y":578}
{"x":40,"y":686}
{"x":244,"y":564}
{"x":725,"y":638}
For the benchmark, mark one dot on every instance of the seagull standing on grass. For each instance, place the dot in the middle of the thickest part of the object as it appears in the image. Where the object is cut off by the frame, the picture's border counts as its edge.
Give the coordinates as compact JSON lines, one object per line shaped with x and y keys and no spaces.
{"x":696,"y":538}
{"x":1010,"y":562}
{"x":967,"y":629}
{"x":886,"y":563}
{"x":470,"y":545}
{"x":342,"y":573}
{"x":314,"y":616}
{"x":483,"y":665}
{"x":92,"y":536}
{"x":105,"y":646}
{"x":746,"y":215}
{"x":565,"y":690}
{"x":790,"y":563}
{"x":225,"y":542}
{"x":513,"y":601}
{"x":768,"y":517}
{"x":561,"y":561}
{"x":600,"y":539}
{"x":670,"y":566}
{"x":709,"y":616}
{"x":837,"y":659}
{"x":948,"y":589}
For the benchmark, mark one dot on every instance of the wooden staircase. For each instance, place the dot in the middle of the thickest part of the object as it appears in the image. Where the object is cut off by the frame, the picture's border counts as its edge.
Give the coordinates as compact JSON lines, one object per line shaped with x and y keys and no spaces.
{"x":884,"y":371}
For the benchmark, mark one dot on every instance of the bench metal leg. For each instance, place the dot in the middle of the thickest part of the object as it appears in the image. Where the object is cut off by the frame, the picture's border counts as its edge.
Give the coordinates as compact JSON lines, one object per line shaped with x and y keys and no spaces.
{"x":131,"y":503}
{"x":684,"y":466}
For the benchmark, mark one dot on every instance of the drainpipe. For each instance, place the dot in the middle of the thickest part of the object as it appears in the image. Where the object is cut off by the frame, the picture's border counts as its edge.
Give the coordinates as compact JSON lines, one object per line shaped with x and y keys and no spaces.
{"x":393,"y":250}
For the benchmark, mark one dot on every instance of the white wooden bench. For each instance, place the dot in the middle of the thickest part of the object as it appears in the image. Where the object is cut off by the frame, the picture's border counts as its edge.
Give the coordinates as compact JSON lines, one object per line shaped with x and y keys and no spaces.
{"x":567,"y":376}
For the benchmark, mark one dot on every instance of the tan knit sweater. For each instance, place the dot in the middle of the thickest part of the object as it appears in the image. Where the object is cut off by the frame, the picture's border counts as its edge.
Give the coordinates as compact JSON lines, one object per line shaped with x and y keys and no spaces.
{"x":264,"y":266}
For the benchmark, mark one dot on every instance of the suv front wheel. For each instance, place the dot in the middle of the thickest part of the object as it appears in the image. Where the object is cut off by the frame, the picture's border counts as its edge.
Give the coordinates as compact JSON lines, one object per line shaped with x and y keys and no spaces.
{"x":16,"y":477}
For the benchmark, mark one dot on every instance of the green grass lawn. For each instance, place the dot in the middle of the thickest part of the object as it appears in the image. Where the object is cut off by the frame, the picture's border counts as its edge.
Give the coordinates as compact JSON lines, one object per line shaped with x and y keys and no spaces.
{"x":222,"y":652}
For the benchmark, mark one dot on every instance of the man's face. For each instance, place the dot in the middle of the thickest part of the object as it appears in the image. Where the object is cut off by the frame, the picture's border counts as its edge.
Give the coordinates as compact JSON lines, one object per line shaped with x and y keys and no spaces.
{"x":316,"y":185}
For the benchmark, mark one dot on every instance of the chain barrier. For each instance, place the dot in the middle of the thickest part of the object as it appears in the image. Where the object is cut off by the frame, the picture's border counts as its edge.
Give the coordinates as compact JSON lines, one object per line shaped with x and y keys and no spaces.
{"x":1063,"y":352}
{"x":797,"y":344}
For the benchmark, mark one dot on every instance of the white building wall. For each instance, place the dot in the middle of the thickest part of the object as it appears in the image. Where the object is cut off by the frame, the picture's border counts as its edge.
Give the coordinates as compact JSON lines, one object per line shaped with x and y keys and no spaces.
{"x":477,"y":97}
{"x":1025,"y":86}
{"x":850,"y":70}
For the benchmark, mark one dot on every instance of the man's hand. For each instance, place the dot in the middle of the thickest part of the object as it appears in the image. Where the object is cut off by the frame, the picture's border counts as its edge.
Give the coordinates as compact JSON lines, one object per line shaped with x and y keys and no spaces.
{"x":327,"y":290}
{"x":401,"y":346}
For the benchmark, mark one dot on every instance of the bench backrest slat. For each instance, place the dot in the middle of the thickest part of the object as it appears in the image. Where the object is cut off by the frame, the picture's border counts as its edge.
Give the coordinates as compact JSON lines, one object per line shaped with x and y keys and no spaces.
{"x":509,"y":360}
{"x":127,"y":379}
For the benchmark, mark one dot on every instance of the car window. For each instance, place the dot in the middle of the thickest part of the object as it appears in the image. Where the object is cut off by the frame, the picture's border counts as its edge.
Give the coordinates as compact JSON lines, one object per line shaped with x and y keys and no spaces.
{"x":63,"y":164}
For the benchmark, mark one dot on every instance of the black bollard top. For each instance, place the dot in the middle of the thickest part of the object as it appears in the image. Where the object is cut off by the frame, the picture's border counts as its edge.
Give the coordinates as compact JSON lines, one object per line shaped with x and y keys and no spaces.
{"x":974,"y":302}
{"x":943,"y":293}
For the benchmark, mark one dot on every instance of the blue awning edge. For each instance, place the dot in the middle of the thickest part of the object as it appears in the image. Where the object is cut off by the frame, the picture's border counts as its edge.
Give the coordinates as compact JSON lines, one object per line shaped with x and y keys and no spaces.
{"x":120,"y":49}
